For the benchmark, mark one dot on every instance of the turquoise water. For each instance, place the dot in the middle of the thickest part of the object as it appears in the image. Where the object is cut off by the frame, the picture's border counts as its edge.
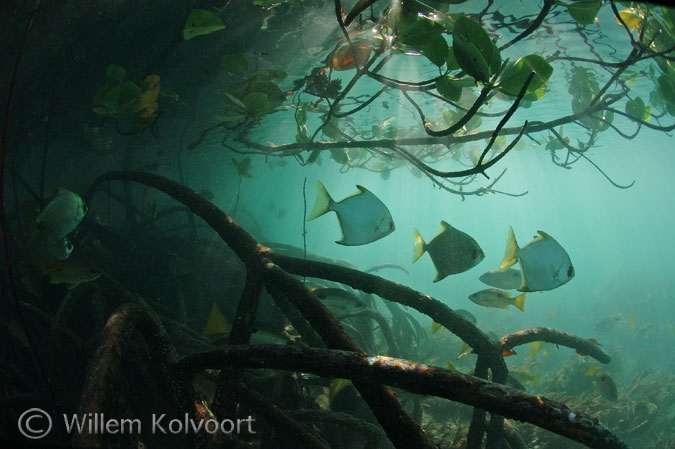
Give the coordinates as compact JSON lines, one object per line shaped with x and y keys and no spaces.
{"x":619,"y":239}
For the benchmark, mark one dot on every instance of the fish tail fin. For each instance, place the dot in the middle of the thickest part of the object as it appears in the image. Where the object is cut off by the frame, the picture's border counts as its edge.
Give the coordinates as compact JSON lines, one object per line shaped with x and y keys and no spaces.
{"x":592,"y":370}
{"x":322,"y":203}
{"x":419,"y":247}
{"x":510,"y":253}
{"x":519,"y":301}
{"x":217,"y":323}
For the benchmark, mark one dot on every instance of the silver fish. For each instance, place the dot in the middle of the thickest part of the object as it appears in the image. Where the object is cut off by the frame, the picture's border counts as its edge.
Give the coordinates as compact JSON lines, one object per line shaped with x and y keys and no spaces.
{"x":506,"y":280}
{"x":63,"y":213}
{"x":544,"y":264}
{"x":451,"y":250}
{"x":363,"y":217}
{"x":500,"y":299}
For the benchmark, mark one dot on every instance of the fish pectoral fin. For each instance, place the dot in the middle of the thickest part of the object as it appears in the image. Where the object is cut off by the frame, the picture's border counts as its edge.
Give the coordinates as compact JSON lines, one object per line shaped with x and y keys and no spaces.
{"x":510,"y":254}
{"x":322,"y":203}
{"x":419,"y":246}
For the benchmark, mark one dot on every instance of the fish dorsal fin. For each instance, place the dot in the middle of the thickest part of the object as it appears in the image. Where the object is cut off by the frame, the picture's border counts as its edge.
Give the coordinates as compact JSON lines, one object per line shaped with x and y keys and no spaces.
{"x":510,"y":254}
{"x":322,"y":203}
{"x":542,"y":236}
{"x":419,"y":246}
{"x":361,"y":191}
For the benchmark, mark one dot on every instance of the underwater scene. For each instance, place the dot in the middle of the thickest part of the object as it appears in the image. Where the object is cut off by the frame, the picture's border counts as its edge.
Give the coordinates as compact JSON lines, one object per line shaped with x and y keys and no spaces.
{"x":337,"y":224}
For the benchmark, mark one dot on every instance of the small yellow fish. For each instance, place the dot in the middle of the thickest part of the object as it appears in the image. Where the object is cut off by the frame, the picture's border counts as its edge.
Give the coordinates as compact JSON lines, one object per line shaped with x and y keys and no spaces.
{"x":606,"y":385}
{"x":336,"y":385}
{"x":525,"y":377}
{"x":499,"y":299}
{"x":537,"y":346}
{"x":70,"y":271}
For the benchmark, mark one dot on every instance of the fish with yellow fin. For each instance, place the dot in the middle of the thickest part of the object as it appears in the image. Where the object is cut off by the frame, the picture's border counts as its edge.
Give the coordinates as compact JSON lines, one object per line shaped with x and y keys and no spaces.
{"x":451,"y":250}
{"x":363,"y":217}
{"x":544,"y":264}
{"x":606,"y":385}
{"x":217,"y":324}
{"x":71,"y":272}
{"x":499,"y":299}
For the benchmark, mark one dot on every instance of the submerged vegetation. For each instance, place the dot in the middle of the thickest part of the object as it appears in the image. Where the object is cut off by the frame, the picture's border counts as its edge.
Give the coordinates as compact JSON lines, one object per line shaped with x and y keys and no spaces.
{"x":157,"y":313}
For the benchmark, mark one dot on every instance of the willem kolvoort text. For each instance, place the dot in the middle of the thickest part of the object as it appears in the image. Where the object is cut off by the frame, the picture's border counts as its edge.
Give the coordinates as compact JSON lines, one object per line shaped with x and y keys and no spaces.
{"x":96,"y":423}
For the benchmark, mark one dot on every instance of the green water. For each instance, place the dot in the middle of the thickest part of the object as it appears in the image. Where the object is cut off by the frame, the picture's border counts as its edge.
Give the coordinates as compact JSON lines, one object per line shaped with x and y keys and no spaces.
{"x":237,"y":114}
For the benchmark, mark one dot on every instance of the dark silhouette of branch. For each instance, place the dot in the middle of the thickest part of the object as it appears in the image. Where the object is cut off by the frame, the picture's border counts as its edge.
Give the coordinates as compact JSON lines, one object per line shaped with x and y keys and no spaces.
{"x":416,"y":378}
{"x":550,"y":335}
{"x":399,"y":427}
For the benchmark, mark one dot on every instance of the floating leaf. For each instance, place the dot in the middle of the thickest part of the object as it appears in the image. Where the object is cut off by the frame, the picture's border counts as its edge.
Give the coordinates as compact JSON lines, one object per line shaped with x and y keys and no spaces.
{"x":449,"y":88}
{"x":584,"y":11}
{"x":231,"y":100}
{"x":631,"y":18}
{"x":339,"y":156}
{"x":115,"y":72}
{"x":351,"y":56}
{"x":636,"y":108}
{"x":473,"y":48}
{"x":419,"y":32}
{"x":314,"y":155}
{"x":255,"y":102}
{"x":514,"y":76}
{"x":666,"y":87}
{"x":452,"y":60}
{"x":271,"y":75}
{"x":235,"y":63}
{"x":436,"y":50}
{"x":201,"y":22}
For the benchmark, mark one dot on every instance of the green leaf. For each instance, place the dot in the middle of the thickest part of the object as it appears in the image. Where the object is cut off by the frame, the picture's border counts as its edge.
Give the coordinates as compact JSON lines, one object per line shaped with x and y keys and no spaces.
{"x":419,"y":32}
{"x":436,"y":50}
{"x":339,"y":155}
{"x":514,"y":76}
{"x":666,"y":87}
{"x":314,"y":155}
{"x":496,"y":62}
{"x":255,"y":102}
{"x":235,"y":63}
{"x":584,"y":11}
{"x":232,"y":102}
{"x":449,"y":88}
{"x":201,"y":22}
{"x":473,"y":48}
{"x":452,"y":60}
{"x":636,"y":108}
{"x":231,"y":118}
{"x":271,"y":75}
{"x":115,"y":72}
